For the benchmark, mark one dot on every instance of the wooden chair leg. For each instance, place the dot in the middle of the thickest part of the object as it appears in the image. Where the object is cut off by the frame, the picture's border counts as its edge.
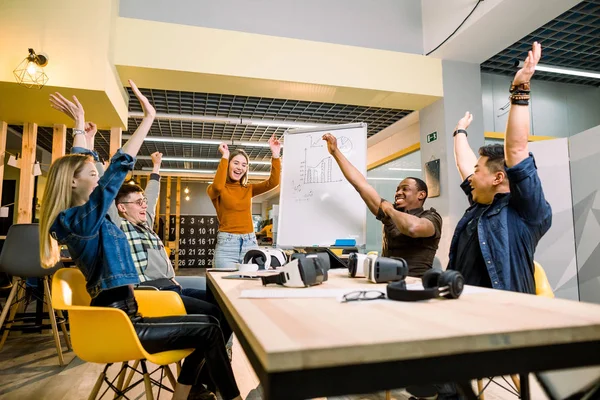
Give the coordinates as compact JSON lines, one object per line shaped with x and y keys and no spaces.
{"x":131,"y":373}
{"x":147,"y":382}
{"x":97,"y":386}
{"x":61,"y":360}
{"x":480,"y":389}
{"x":121,"y":379}
{"x":170,"y":376}
{"x":12,"y":310}
{"x":516,"y":381}
{"x":63,"y":328}
{"x":178,"y":367}
{"x":9,"y":300}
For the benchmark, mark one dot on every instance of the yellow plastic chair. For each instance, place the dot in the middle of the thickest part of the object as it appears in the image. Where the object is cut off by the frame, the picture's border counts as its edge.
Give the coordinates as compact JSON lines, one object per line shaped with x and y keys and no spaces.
{"x":106,"y":335}
{"x":542,"y":288}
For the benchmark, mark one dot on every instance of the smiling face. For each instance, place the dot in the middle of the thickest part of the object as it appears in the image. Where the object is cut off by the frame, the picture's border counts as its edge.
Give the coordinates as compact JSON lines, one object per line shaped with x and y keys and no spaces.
{"x":238,"y":167}
{"x":482,"y":182}
{"x":486,"y":181}
{"x":84,"y":182}
{"x":408,"y":196}
{"x":133,"y":207}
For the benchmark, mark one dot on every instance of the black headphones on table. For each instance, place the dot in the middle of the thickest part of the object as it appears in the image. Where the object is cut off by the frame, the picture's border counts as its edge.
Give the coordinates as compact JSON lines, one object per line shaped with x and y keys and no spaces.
{"x":436,"y":283}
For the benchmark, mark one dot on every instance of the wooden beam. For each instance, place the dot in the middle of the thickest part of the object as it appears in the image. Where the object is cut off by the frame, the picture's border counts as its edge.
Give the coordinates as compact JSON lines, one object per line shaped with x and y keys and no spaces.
{"x":168,"y":212}
{"x":26,"y":178}
{"x":59,"y":141}
{"x":177,"y":224}
{"x":116,"y":138}
{"x":3,"y":133}
{"x":157,"y":218}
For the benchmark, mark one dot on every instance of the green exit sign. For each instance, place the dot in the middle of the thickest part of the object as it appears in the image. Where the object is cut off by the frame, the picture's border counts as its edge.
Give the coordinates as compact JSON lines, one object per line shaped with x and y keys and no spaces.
{"x":432,"y":137}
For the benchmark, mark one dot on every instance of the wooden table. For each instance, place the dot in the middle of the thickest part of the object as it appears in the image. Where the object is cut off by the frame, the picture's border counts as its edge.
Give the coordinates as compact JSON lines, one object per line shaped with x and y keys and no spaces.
{"x":310,"y":347}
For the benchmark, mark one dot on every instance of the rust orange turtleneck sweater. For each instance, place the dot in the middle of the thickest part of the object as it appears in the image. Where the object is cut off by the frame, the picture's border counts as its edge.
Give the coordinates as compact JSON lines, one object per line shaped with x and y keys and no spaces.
{"x":233,"y":201}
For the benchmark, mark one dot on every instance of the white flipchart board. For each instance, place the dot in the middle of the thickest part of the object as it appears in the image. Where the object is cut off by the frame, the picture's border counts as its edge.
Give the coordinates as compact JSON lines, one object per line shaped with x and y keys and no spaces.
{"x":317,"y":205}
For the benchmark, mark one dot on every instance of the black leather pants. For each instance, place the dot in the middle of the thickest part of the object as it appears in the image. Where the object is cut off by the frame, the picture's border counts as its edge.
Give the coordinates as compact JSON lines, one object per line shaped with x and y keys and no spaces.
{"x":198,"y":332}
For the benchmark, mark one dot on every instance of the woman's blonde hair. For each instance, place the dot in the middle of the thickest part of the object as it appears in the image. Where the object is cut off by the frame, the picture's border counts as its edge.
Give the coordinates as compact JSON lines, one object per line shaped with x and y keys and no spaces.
{"x":244,"y":178}
{"x":58,"y":196}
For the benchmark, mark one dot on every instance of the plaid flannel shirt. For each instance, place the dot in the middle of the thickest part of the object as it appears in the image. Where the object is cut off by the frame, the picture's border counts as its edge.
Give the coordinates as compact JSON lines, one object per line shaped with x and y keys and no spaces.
{"x":140,"y":238}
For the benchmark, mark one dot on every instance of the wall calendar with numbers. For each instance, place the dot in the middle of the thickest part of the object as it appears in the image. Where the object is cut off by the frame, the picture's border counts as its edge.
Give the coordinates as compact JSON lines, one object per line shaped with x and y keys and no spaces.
{"x":197,"y":239}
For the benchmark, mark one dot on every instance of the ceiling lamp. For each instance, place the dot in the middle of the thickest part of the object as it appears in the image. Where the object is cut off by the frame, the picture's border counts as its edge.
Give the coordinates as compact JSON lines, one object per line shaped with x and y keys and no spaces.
{"x":563,"y":70}
{"x":30,"y":72}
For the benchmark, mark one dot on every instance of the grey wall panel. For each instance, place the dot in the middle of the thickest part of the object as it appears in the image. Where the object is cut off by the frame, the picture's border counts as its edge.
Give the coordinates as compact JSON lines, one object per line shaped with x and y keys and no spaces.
{"x":556,"y":250}
{"x":557,"y":109}
{"x":383,"y":24}
{"x":585,"y":180}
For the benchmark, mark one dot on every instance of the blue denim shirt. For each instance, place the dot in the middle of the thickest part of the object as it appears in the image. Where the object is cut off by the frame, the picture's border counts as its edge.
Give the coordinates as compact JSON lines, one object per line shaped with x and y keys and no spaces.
{"x":510,"y":228}
{"x":98,"y":246}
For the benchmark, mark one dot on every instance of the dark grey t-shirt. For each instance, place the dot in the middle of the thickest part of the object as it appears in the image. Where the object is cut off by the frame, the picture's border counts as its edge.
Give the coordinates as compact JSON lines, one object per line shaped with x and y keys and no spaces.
{"x":418,"y":252}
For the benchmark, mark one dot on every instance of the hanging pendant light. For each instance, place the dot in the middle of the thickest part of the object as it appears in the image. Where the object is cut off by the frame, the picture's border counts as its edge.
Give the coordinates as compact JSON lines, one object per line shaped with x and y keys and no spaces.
{"x":30,"y":72}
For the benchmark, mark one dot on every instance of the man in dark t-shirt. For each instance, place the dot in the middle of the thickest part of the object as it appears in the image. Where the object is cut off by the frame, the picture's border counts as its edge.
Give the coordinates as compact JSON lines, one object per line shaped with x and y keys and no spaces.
{"x":409,"y":231}
{"x":418,"y":251}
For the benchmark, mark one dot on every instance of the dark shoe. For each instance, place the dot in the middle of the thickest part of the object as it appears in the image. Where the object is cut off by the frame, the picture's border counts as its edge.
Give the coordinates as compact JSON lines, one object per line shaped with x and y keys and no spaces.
{"x":201,"y":393}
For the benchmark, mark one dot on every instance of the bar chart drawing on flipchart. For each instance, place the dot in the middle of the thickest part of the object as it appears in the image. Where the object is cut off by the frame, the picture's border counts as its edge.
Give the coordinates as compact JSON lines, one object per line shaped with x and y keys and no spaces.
{"x":314,"y":190}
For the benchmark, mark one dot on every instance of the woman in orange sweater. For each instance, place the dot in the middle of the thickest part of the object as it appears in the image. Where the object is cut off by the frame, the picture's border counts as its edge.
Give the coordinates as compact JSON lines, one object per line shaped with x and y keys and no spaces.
{"x":231,"y":194}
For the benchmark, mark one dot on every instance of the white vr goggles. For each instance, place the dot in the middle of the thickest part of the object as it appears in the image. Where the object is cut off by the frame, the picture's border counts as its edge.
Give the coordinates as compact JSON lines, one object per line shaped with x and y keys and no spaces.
{"x":376,"y":269}
{"x":303,"y":271}
{"x":265,"y":258}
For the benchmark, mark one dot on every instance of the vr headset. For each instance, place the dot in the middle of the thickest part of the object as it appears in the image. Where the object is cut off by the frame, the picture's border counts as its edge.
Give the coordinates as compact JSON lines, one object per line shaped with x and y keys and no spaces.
{"x":376,"y":269}
{"x":265,"y":258}
{"x":303,"y":271}
{"x":436,"y":283}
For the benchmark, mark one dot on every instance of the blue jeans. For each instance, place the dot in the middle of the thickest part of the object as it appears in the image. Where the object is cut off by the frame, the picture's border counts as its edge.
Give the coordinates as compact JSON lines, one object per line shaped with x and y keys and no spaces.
{"x":231,"y":248}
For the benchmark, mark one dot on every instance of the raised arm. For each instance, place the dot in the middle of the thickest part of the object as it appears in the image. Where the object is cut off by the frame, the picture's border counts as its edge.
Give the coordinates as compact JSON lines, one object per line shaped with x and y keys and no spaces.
{"x":463,"y":154}
{"x":517,"y":129}
{"x":526,"y":193}
{"x":153,"y":188}
{"x":135,"y":142}
{"x":353,"y":175}
{"x":74,"y":110}
{"x":409,"y":225}
{"x":275,"y":175}
{"x":214,"y":189}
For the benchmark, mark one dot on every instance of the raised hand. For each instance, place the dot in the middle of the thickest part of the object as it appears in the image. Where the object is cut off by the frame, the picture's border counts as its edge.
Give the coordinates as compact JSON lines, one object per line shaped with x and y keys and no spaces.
{"x":331,"y":143}
{"x":533,"y":57}
{"x":465,"y":121}
{"x":224,"y":150}
{"x":275,"y":146}
{"x":149,"y":110}
{"x":156,"y":158}
{"x":90,"y":130}
{"x":72,"y":109}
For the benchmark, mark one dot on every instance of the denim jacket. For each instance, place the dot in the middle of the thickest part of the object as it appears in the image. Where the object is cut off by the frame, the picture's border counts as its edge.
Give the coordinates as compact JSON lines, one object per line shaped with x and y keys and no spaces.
{"x":510,"y":228}
{"x":98,"y":246}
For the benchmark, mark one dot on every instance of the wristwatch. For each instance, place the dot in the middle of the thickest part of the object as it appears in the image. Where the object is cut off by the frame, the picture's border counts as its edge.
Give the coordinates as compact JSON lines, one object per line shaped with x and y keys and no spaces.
{"x":78,"y":132}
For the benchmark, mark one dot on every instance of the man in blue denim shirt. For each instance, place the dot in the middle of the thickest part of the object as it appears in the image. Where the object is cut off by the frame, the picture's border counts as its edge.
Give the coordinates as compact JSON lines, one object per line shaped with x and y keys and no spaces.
{"x":494,"y":243}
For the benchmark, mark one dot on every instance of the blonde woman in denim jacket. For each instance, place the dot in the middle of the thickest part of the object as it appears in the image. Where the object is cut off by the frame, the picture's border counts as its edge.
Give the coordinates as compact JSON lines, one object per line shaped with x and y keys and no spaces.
{"x":74,"y":212}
